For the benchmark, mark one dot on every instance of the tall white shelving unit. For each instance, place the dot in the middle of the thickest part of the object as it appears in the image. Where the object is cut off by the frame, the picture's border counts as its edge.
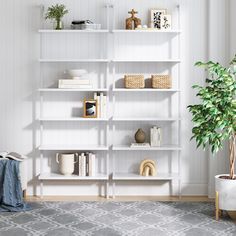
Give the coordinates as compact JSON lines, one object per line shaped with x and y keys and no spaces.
{"x":111,"y":62}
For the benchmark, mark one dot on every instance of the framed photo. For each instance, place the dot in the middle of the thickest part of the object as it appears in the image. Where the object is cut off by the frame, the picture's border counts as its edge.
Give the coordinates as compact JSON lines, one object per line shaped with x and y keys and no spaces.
{"x":156,"y":17}
{"x":90,"y":108}
{"x":165,"y":22}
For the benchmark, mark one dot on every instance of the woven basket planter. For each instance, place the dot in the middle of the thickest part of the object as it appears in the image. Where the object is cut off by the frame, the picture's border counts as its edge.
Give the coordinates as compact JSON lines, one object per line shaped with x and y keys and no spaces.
{"x":161,"y":81}
{"x":134,"y":81}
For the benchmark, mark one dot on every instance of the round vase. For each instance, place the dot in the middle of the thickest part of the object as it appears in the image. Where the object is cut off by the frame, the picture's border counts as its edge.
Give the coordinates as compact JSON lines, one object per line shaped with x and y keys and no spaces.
{"x":140,"y":136}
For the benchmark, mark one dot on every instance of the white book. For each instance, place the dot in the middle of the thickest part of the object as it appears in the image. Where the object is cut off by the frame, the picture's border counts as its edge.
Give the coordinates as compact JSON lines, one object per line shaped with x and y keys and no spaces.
{"x":104,"y":106}
{"x":72,"y":81}
{"x":83,"y":165}
{"x":97,"y":97}
{"x":75,"y":86}
{"x":101,"y":105}
{"x":139,"y":145}
{"x":80,"y":165}
{"x":93,"y":164}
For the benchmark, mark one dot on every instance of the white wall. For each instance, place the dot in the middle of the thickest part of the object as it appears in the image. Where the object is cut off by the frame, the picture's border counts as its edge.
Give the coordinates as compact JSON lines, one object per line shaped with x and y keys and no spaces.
{"x":19,"y":21}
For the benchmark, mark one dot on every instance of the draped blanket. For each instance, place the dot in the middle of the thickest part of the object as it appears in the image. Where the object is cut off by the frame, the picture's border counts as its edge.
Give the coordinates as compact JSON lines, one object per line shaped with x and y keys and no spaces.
{"x":11,"y":197}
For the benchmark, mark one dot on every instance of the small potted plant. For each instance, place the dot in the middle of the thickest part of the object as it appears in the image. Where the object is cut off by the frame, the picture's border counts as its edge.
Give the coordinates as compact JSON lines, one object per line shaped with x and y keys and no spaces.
{"x":56,"y":12}
{"x":214,"y":121}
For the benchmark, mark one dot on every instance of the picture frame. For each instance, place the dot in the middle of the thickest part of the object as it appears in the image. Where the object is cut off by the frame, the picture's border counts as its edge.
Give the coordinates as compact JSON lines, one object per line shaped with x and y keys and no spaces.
{"x":166,"y":22}
{"x":90,"y":108}
{"x":156,"y":17}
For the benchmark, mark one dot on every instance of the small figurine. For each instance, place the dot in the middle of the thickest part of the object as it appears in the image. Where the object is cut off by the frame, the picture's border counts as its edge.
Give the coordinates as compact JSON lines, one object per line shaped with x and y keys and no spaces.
{"x":133,"y":22}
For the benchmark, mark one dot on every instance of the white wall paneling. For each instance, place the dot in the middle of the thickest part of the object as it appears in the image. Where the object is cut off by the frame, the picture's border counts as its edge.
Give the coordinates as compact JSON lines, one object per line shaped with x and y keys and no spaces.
{"x":19,"y":46}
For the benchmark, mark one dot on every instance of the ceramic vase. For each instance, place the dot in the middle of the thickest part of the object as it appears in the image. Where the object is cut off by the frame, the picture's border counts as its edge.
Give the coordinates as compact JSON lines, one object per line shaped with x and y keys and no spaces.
{"x":140,"y":136}
{"x":66,"y":162}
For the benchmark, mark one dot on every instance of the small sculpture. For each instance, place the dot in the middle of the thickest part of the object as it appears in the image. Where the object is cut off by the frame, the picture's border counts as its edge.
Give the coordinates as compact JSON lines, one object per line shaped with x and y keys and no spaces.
{"x":140,"y":136}
{"x":147,"y":168}
{"x":132,"y":22}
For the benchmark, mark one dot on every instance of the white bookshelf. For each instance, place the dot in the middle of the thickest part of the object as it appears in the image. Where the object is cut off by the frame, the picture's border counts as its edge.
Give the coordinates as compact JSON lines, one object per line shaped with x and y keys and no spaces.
{"x":73,"y":119}
{"x":125,"y":90}
{"x":65,"y":31}
{"x":72,"y":90}
{"x":153,"y":31}
{"x":134,"y":176}
{"x":161,"y":148}
{"x":75,"y":147}
{"x":144,"y":119}
{"x":85,"y":60}
{"x":109,"y":61}
{"x":55,"y":176}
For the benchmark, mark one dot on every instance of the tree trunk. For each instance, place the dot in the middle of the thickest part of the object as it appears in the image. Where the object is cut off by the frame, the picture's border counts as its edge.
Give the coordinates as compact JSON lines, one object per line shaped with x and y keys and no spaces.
{"x":232,"y":153}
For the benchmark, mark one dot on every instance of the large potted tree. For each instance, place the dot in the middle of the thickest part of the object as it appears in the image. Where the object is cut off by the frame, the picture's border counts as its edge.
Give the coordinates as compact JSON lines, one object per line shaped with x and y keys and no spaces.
{"x":214,"y":120}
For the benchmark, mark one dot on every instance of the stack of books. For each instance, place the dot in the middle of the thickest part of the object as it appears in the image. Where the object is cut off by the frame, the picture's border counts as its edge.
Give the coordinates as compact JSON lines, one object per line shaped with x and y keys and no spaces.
{"x":101,"y":104}
{"x":74,"y":83}
{"x":87,"y":164}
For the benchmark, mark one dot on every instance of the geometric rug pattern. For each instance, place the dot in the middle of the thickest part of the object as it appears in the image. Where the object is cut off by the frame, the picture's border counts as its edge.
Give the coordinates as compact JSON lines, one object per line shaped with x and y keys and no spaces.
{"x":145,"y":218}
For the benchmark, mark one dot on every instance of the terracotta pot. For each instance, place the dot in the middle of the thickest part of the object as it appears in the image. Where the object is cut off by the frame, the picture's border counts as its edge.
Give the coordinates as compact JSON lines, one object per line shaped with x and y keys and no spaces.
{"x":140,"y":136}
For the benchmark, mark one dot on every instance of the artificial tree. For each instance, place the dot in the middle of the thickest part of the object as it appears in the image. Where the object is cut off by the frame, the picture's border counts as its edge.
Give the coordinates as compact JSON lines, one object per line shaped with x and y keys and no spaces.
{"x":56,"y":12}
{"x":214,"y":117}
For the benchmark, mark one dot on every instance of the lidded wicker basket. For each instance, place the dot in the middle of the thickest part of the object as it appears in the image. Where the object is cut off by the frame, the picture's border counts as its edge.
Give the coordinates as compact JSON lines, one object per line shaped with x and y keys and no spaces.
{"x":161,"y":81}
{"x":134,"y":81}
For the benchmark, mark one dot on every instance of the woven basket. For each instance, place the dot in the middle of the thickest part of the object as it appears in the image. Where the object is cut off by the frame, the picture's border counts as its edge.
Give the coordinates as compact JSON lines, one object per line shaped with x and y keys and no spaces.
{"x":161,"y":81}
{"x":134,"y":81}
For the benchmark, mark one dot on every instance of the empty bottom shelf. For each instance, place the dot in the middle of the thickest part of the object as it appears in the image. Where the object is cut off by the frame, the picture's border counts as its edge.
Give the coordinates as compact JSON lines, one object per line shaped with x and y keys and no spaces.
{"x":54,"y":176}
{"x":134,"y":176}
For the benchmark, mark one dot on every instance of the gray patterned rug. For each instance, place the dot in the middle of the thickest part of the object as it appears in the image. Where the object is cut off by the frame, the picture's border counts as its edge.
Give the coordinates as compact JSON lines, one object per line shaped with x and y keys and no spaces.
{"x":116,"y":218}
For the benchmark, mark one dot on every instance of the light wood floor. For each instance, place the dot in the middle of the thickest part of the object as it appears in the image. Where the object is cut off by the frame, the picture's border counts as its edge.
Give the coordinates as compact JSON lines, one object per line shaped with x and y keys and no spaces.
{"x":123,"y":198}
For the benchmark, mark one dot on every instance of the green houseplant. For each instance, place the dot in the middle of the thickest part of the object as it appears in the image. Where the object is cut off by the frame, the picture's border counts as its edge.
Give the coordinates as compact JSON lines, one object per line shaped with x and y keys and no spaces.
{"x":56,"y":12}
{"x":214,"y":120}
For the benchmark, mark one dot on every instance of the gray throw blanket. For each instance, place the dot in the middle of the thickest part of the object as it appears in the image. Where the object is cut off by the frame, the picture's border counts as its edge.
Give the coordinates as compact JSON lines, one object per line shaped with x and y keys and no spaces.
{"x":11,"y":198}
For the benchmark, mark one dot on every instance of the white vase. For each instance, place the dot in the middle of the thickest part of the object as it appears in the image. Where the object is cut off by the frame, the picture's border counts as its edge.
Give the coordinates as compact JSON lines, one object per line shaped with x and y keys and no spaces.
{"x":226,"y":189}
{"x":155,"y":136}
{"x":66,"y":162}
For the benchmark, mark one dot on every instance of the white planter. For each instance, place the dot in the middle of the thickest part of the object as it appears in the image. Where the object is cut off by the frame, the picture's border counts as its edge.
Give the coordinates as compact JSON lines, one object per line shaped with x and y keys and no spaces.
{"x":227,"y":193}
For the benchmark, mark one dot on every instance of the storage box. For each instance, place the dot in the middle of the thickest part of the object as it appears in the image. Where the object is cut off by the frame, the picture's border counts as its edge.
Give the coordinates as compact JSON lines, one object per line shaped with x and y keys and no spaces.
{"x":134,"y":81}
{"x":161,"y":81}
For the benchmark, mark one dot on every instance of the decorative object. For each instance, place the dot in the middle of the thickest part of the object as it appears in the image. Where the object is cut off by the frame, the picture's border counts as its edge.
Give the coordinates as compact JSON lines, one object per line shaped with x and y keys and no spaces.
{"x":134,"y":81}
{"x":132,"y":22}
{"x":214,"y":122}
{"x":66,"y":162}
{"x":161,"y":81}
{"x":77,"y":73}
{"x":165,"y":22}
{"x":90,"y":108}
{"x":56,"y":12}
{"x":140,"y":136}
{"x":147,"y":168}
{"x":155,"y":136}
{"x":156,"y":17}
{"x":85,"y":25}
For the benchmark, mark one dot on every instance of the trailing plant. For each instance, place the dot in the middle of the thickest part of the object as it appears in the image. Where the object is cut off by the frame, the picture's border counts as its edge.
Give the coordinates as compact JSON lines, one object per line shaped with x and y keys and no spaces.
{"x":56,"y":12}
{"x":214,"y":117}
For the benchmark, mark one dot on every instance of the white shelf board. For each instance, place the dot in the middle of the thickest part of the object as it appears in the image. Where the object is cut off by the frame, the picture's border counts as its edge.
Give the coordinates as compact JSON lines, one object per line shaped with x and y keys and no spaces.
{"x":145,"y":90}
{"x":143,"y":119}
{"x":72,"y":31}
{"x":72,"y":119}
{"x":134,"y":176}
{"x":54,"y":176}
{"x":147,"y":60}
{"x":162,"y":148}
{"x":156,"y":31}
{"x":72,"y":90}
{"x":73,"y":148}
{"x":72,"y":60}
